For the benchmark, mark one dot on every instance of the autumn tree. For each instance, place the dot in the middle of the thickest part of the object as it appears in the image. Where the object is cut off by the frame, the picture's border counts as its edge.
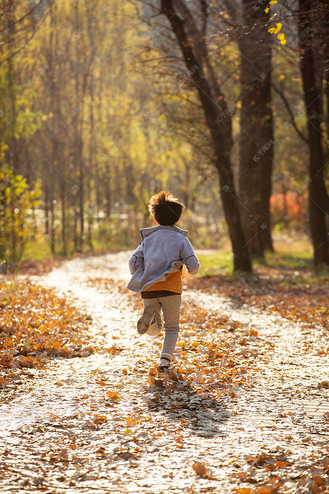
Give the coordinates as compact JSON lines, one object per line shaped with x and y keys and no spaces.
{"x":318,"y":197}
{"x":256,"y":126}
{"x":200,"y":70}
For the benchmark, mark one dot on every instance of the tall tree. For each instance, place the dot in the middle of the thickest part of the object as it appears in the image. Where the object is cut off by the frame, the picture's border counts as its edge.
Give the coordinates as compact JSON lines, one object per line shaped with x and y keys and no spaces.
{"x":200,"y":70}
{"x":318,"y":198}
{"x":256,"y":127}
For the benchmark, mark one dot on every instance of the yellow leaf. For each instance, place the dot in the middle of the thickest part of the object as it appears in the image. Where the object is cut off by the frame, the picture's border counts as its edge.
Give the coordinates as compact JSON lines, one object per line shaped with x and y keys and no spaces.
{"x":113,"y":395}
{"x":275,"y":30}
{"x":130,"y":421}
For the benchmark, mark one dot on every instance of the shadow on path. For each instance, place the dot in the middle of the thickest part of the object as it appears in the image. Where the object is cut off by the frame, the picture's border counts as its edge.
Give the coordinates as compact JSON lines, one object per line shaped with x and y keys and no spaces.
{"x":178,"y":401}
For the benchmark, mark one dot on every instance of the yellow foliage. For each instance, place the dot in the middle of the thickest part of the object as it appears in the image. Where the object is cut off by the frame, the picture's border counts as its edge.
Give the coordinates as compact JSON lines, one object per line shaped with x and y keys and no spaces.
{"x":275,"y":30}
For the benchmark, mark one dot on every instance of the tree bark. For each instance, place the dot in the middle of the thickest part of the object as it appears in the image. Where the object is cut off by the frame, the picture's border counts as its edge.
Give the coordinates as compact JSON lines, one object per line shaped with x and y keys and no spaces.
{"x":9,"y":40}
{"x":214,"y":106}
{"x":256,"y":124}
{"x":54,"y":157}
{"x":317,"y":188}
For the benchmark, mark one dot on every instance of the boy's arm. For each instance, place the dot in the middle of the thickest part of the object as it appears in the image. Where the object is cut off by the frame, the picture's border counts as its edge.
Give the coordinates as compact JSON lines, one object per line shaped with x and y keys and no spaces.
{"x":136,"y":258}
{"x":189,"y":258}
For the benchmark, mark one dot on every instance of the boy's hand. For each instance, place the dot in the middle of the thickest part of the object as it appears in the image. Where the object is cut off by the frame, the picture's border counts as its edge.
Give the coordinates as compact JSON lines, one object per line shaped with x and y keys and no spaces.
{"x":185,"y":273}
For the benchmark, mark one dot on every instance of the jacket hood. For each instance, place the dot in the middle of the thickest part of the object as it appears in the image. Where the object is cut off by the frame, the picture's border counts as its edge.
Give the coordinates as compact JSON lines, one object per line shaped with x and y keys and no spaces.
{"x":145,"y":232}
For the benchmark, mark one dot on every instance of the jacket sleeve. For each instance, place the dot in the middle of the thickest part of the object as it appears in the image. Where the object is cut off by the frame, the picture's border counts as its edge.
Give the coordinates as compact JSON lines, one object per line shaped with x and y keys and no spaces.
{"x":189,"y":258}
{"x":137,"y":258}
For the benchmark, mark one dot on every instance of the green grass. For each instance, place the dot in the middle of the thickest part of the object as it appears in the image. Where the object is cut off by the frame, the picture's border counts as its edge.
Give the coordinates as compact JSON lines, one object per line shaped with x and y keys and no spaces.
{"x":295,"y":256}
{"x":285,"y":260}
{"x":218,"y":262}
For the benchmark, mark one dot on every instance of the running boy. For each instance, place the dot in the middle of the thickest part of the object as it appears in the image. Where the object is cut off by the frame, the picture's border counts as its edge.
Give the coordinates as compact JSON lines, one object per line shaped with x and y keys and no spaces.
{"x":156,"y":268}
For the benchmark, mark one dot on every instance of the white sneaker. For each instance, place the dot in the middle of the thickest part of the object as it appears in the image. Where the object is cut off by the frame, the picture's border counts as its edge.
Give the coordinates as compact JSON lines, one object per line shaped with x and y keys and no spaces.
{"x":164,"y":366}
{"x":154,"y":329}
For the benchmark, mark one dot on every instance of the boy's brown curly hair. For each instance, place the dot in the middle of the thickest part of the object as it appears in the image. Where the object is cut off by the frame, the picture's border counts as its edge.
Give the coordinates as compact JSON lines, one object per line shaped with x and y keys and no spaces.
{"x":165,"y":208}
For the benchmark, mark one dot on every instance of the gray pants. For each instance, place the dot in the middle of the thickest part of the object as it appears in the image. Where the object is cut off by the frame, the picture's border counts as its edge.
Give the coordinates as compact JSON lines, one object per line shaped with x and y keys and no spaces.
{"x":171,"y":312}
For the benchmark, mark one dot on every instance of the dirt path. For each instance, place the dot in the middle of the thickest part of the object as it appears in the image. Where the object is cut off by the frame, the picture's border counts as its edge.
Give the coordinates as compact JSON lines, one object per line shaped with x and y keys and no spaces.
{"x":94,"y":424}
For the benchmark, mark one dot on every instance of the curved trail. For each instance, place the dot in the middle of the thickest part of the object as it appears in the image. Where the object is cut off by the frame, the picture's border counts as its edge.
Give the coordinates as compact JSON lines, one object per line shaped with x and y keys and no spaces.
{"x":65,"y":433}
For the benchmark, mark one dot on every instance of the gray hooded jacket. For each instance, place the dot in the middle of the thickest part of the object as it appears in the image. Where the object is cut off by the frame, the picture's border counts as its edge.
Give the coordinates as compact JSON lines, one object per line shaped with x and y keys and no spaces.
{"x":163,"y":251}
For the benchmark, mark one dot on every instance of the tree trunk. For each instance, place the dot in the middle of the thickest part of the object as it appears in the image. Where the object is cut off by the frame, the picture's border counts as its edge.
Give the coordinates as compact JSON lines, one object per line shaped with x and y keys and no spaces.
{"x":317,"y":188}
{"x":92,"y":161}
{"x":80,"y":86}
{"x":63,"y":220}
{"x":9,"y":39}
{"x":214,"y":105}
{"x":46,"y":200}
{"x":99,"y":196}
{"x":256,"y":123}
{"x":53,"y":158}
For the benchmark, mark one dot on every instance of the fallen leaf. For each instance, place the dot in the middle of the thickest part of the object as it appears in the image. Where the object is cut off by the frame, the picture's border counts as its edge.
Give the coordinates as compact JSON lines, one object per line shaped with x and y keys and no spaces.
{"x":200,"y":468}
{"x":130,"y":421}
{"x":113,"y":395}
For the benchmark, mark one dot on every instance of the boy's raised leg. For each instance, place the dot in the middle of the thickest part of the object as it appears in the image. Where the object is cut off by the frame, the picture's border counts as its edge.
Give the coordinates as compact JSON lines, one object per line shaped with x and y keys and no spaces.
{"x":150,"y":315}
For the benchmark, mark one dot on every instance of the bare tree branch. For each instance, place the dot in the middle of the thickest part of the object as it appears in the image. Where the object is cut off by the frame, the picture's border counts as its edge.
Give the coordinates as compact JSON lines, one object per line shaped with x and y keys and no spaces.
{"x":289,"y":110}
{"x":14,"y":53}
{"x":204,"y":11}
{"x":29,"y":12}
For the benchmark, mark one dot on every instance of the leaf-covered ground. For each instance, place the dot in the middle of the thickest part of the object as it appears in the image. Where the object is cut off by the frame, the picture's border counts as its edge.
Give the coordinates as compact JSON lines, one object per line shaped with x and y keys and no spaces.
{"x":296,"y":295}
{"x":245,"y":410}
{"x":35,"y":325}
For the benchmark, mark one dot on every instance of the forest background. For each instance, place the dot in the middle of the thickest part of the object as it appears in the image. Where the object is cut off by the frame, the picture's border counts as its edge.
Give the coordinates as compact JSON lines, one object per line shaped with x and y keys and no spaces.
{"x":104,"y":103}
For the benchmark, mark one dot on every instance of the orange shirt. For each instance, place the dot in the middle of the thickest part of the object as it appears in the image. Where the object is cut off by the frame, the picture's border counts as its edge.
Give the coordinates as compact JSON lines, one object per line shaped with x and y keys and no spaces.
{"x":173,"y":284}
